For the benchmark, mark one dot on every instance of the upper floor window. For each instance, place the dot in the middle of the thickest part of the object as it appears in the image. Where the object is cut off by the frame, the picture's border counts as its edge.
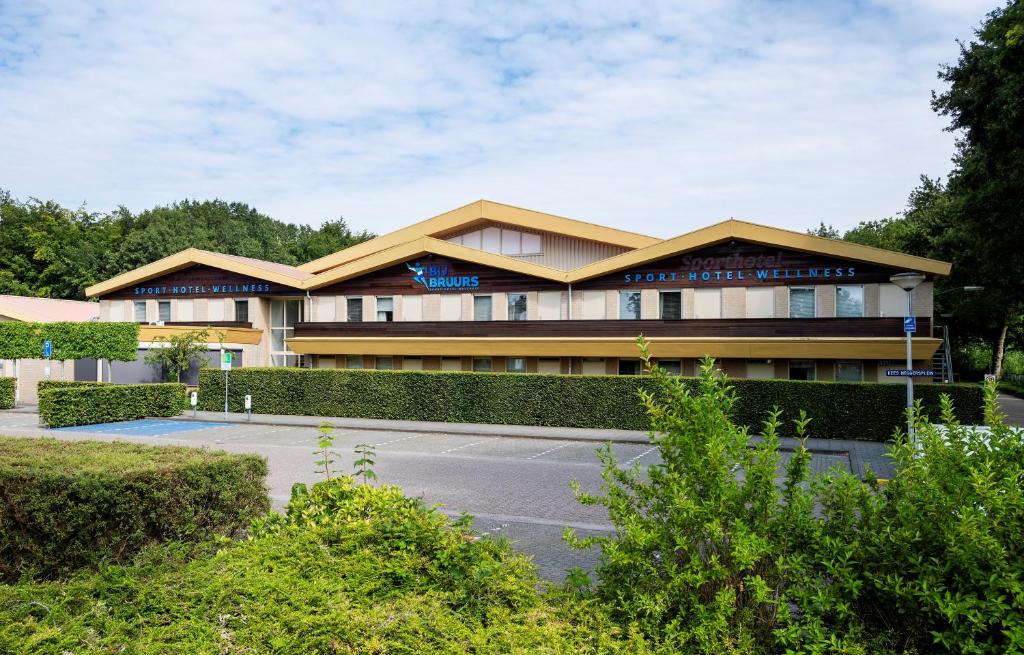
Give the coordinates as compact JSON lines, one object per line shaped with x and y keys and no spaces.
{"x":163,"y":309}
{"x":760,"y":302}
{"x":517,"y":306}
{"x":482,"y":308}
{"x":629,"y":305}
{"x":850,"y":301}
{"x":671,"y":305}
{"x":707,"y":303}
{"x":140,"y":311}
{"x":354,"y":309}
{"x":500,"y":240}
{"x":385,"y":308}
{"x":892,"y":300}
{"x":801,"y":302}
{"x":242,"y":310}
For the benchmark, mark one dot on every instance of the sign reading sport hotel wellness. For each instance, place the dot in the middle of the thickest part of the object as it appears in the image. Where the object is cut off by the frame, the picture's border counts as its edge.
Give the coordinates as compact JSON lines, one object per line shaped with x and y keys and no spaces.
{"x":204,"y":282}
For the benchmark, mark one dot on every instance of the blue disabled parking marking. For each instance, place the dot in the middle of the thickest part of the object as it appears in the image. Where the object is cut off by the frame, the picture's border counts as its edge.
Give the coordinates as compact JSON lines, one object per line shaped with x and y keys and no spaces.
{"x":144,"y":428}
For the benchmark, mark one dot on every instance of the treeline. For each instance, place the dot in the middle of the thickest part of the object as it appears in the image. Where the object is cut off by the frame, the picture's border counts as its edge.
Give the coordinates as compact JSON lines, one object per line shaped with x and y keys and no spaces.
{"x":975,"y":219}
{"x":52,"y":251}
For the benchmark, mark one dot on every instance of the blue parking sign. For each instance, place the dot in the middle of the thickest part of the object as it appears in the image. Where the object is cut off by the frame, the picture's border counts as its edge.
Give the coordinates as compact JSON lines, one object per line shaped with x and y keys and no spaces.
{"x":47,"y":349}
{"x":910,"y":324}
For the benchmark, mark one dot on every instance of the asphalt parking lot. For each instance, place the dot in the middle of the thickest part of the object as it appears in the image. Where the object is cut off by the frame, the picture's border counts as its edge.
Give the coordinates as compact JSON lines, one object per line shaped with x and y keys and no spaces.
{"x":516,"y":487}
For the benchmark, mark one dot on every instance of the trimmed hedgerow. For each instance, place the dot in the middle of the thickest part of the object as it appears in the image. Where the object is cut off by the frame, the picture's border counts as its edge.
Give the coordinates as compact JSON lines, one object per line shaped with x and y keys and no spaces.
{"x":78,"y":404}
{"x":864,"y":410}
{"x":7,"y":393}
{"x":68,"y":504}
{"x":24,"y":340}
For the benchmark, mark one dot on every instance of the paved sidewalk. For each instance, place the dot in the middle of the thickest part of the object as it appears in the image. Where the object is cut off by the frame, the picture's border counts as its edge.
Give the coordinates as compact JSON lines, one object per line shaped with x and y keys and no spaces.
{"x":1013,"y":407}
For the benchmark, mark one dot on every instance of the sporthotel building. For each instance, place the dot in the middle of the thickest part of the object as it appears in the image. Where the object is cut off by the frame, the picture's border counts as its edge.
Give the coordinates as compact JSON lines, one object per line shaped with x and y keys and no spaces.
{"x":490,"y":287}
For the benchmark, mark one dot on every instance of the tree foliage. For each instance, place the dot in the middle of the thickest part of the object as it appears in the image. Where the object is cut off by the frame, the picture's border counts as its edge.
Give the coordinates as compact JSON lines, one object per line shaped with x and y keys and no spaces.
{"x":55,"y":252}
{"x":174,"y":356}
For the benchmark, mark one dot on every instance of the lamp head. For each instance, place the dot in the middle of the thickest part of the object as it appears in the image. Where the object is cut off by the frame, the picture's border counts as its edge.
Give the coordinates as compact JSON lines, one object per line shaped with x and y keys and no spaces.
{"x":907,"y":281}
{"x":974,"y":288}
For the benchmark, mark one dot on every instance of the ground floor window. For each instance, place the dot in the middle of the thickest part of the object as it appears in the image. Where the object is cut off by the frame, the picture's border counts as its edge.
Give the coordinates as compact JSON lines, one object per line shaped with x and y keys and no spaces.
{"x":849,"y":371}
{"x":671,"y":366}
{"x":515,"y":365}
{"x":451,"y":363}
{"x":353,"y":361}
{"x":384,"y":363}
{"x":801,"y":369}
{"x":549,"y":365}
{"x":325,"y":361}
{"x":760,"y":369}
{"x":482,"y":364}
{"x":629,"y":367}
{"x":594,"y":366}
{"x":412,"y":363}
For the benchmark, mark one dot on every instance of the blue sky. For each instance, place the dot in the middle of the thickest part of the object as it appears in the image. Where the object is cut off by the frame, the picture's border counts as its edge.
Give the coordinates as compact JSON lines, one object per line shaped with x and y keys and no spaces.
{"x":658,"y":117}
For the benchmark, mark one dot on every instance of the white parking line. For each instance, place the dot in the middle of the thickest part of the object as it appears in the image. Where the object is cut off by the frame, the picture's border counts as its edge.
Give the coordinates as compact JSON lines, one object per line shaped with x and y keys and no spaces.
{"x":494,"y":530}
{"x":549,"y":450}
{"x":646,"y":452}
{"x":452,"y":450}
{"x":385,"y":443}
{"x":253,"y":434}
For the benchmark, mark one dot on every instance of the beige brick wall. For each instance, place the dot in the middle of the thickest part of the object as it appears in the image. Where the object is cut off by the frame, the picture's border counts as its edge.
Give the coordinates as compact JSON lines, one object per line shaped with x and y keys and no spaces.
{"x":467,"y":307}
{"x":688,"y":303}
{"x":922,"y":299}
{"x":201,"y":309}
{"x":397,"y":301}
{"x":734,"y":302}
{"x":649,"y":303}
{"x":31,"y":371}
{"x":499,"y":307}
{"x":532,"y":306}
{"x":782,"y":306}
{"x":871,"y":302}
{"x":369,"y":308}
{"x":611,"y":308}
{"x":577,"y":304}
{"x":431,"y":312}
{"x":340,"y":308}
{"x":825,"y":300}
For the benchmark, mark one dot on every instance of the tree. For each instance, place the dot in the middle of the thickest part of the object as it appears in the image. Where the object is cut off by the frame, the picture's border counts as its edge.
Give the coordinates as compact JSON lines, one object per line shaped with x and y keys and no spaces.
{"x":176,"y":356}
{"x":985,"y":104}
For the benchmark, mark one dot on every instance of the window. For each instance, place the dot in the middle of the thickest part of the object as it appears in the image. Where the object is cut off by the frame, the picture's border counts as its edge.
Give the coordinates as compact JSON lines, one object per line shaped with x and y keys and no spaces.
{"x":354,"y":309}
{"x":511,"y":242}
{"x":506,"y":241}
{"x":671,"y":366}
{"x":801,"y":302}
{"x":412,"y":308}
{"x":760,"y":369}
{"x":849,"y":301}
{"x":491,"y":239}
{"x":325,"y":308}
{"x":451,"y":307}
{"x":284,"y":314}
{"x":531,"y":244}
{"x":549,"y":305}
{"x":594,"y":366}
{"x":140,"y":311}
{"x":593,"y":305}
{"x":164,"y":310}
{"x":385,"y":309}
{"x":517,"y":306}
{"x":515,"y":365}
{"x":326,"y":361}
{"x":849,"y":371}
{"x":412,"y":363}
{"x":671,"y":305}
{"x":760,"y":302}
{"x":383,"y":363}
{"x":451,"y":363}
{"x":482,"y":364}
{"x":184,"y":310}
{"x":482,"y":308}
{"x":707,"y":303}
{"x":892,"y":300}
{"x":629,"y":305}
{"x":241,"y":310}
{"x":549,"y":365}
{"x":629,"y":367}
{"x":215,"y":309}
{"x":800,"y":369}
{"x":353,"y":361}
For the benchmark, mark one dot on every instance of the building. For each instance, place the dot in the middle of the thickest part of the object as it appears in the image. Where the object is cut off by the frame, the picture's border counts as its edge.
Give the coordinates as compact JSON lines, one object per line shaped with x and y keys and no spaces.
{"x":45,"y":310}
{"x":490,"y":287}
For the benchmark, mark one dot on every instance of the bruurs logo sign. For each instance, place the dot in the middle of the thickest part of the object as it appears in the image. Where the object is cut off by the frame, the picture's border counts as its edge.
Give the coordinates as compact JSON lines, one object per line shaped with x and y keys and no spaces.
{"x":440,"y":277}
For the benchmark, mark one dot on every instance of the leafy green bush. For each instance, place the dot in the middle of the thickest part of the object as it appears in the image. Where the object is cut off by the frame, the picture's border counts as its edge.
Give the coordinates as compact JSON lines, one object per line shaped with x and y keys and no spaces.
{"x":934,"y":560}
{"x":841,"y":410}
{"x":87,"y":404}
{"x":350,"y":569}
{"x":67,"y":504}
{"x":7,"y":393}
{"x":103,"y":340}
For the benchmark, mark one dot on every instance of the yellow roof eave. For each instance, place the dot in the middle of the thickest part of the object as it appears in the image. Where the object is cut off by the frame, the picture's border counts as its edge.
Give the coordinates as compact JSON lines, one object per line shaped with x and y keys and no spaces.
{"x":764,"y":235}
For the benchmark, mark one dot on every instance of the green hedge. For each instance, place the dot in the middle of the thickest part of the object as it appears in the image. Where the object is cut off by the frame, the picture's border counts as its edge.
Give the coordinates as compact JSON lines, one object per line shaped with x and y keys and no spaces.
{"x":79,"y":404}
{"x":7,"y":392}
{"x":868,"y":411}
{"x":22,"y":340}
{"x":67,"y":504}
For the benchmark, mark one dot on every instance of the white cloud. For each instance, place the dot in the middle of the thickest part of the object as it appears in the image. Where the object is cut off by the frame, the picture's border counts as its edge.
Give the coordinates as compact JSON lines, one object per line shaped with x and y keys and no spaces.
{"x":657,"y":117}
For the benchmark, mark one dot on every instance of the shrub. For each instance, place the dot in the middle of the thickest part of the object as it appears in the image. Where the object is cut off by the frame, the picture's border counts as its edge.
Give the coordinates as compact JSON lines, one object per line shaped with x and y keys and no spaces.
{"x":933,"y":561}
{"x":78,"y":404}
{"x":67,"y":504}
{"x":7,"y":393}
{"x":350,"y":569}
{"x":841,"y":410}
{"x":101,"y":340}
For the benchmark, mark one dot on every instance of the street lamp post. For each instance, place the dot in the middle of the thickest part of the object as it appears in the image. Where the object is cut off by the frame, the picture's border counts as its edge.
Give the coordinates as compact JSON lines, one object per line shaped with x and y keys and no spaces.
{"x":908,"y":282}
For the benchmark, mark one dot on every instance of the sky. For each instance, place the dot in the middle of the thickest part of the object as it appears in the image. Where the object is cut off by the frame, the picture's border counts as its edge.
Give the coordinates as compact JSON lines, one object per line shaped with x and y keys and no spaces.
{"x":656,"y":117}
